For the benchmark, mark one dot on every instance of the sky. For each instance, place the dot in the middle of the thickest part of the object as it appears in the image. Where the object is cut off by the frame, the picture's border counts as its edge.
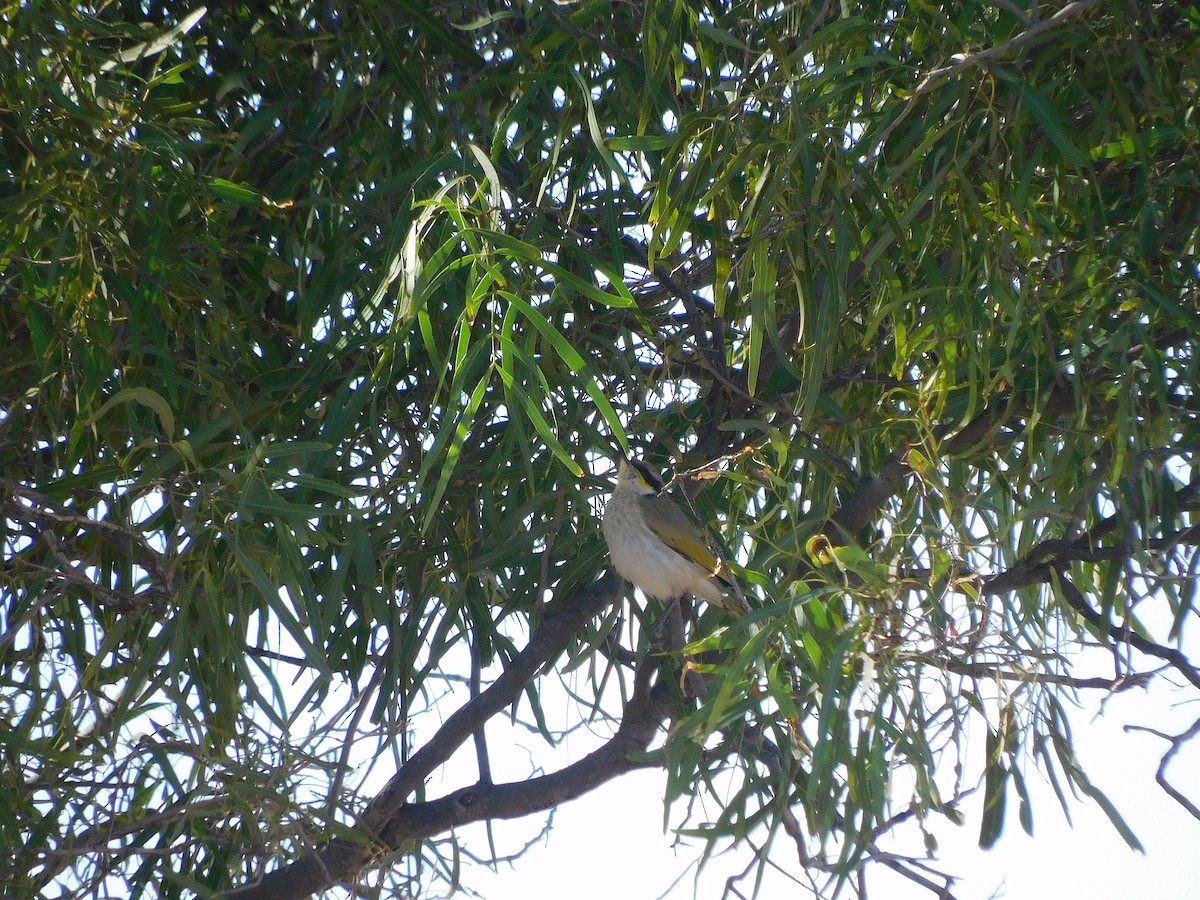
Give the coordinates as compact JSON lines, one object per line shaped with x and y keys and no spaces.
{"x":614,"y":836}
{"x":611,"y":844}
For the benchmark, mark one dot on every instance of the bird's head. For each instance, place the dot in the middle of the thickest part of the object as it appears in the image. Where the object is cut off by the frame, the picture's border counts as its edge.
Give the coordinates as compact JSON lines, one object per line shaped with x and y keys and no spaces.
{"x":636,"y":476}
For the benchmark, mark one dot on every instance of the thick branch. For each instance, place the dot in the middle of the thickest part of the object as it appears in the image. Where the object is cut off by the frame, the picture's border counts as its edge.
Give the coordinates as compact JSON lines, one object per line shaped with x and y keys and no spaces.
{"x":389,"y":820}
{"x":1125,"y":634}
{"x":546,"y":643}
{"x":1052,"y":554}
{"x":642,"y":718}
{"x":860,"y":509}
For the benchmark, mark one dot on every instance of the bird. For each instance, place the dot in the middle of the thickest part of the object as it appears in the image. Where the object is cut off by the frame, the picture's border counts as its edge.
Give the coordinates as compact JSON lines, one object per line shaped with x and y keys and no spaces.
{"x":654,"y":545}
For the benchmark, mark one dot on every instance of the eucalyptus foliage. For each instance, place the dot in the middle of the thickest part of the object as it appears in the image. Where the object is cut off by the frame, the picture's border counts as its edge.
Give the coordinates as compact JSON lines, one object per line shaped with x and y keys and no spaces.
{"x":322,"y":326}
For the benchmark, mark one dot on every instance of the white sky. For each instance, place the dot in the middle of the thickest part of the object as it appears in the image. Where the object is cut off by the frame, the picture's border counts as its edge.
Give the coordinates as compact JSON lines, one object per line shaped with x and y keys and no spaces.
{"x":610,"y":844}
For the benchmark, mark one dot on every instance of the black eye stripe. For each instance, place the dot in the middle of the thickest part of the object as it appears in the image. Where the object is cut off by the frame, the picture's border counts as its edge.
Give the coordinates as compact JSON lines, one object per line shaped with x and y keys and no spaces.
{"x":651,"y":479}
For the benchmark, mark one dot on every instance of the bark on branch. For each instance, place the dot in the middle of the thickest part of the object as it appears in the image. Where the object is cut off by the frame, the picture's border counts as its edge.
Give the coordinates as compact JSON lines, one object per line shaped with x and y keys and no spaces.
{"x":390,"y":823}
{"x":1123,"y":633}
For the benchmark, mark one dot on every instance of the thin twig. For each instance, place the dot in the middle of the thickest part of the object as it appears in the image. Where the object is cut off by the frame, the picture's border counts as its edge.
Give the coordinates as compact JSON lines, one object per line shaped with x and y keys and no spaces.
{"x":936,"y":76}
{"x":1161,"y":775}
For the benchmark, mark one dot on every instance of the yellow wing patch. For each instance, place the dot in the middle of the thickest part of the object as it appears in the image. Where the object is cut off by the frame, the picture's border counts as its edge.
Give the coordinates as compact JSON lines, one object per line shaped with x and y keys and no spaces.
{"x":690,"y":546}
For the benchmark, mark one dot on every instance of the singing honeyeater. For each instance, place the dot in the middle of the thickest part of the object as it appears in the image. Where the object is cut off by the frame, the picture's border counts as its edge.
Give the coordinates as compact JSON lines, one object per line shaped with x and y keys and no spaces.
{"x":653,"y":544}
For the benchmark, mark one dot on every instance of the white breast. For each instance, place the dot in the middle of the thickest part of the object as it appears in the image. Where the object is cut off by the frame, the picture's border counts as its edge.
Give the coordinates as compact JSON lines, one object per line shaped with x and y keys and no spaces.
{"x":640,"y":557}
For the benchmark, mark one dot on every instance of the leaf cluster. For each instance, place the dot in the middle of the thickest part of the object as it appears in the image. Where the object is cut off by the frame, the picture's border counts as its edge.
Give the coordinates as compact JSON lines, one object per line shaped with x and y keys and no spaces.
{"x":320,"y":327}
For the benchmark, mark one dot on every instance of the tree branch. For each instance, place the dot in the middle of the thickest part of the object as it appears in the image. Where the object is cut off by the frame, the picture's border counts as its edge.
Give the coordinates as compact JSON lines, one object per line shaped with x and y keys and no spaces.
{"x":645,"y":713}
{"x":994,"y":672}
{"x":934,"y":77}
{"x":1037,"y":566}
{"x":1161,"y":775}
{"x":1070,"y":11}
{"x":47,"y":513}
{"x":1124,"y":633}
{"x":390,"y":821}
{"x":873,"y":492}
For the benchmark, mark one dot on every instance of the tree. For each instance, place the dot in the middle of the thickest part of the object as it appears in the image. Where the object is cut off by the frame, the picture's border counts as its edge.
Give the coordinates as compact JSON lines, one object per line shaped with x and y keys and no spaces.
{"x":319,"y":328}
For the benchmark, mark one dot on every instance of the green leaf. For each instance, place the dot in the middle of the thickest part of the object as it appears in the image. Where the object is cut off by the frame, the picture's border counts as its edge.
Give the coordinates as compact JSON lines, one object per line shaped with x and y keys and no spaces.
{"x":1052,"y":121}
{"x":1081,"y":780}
{"x":594,"y":130}
{"x":641,"y":143}
{"x":145,"y":397}
{"x":238,"y":194}
{"x":271,"y":594}
{"x":994,"y":792}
